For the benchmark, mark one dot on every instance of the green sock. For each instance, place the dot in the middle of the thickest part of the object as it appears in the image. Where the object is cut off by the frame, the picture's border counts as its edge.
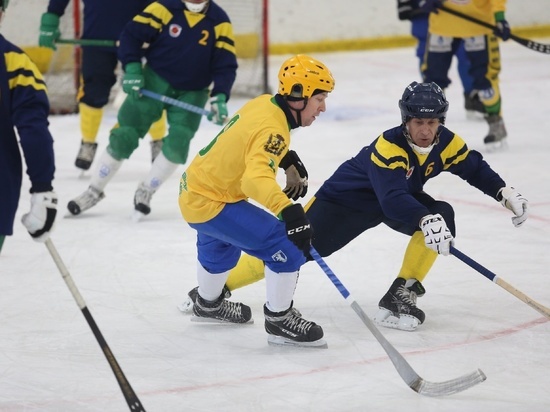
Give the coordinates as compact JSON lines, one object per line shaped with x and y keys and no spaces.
{"x":2,"y":237}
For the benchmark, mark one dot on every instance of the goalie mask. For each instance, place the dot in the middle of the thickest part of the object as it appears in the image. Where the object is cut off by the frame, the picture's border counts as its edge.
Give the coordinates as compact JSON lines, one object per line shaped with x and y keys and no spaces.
{"x":196,"y":7}
{"x":301,"y":76}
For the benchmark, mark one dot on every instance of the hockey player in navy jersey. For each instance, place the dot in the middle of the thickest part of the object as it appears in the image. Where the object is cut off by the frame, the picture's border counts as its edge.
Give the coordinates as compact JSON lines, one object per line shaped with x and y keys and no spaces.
{"x":103,"y":20}
{"x":384,"y":183}
{"x":24,"y":106}
{"x":190,"y":45}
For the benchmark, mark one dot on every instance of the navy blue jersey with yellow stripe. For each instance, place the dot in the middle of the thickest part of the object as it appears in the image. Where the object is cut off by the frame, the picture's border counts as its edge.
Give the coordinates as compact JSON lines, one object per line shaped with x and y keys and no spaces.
{"x":390,"y":171}
{"x":23,"y":105}
{"x":188,"y":50}
{"x":103,"y":19}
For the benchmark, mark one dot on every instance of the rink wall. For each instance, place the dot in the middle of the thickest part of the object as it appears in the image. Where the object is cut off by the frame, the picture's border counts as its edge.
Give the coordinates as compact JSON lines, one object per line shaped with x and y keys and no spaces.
{"x":298,"y":26}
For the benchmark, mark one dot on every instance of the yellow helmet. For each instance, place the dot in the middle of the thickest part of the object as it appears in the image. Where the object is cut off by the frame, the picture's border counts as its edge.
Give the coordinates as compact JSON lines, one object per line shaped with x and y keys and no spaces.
{"x":301,"y":76}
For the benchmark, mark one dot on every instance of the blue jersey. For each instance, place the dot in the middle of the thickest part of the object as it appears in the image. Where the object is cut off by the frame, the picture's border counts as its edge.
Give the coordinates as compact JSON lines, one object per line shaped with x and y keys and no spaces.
{"x":390,"y":171}
{"x":188,"y":50}
{"x":103,"y":19}
{"x":23,"y":105}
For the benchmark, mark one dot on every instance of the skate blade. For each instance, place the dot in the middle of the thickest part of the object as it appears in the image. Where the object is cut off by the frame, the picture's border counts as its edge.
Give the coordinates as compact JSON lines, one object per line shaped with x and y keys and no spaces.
{"x":499,"y":146}
{"x":474,"y":115}
{"x":274,"y":340}
{"x":213,"y":321}
{"x":186,"y":307}
{"x":137,"y":216}
{"x":386,"y":319}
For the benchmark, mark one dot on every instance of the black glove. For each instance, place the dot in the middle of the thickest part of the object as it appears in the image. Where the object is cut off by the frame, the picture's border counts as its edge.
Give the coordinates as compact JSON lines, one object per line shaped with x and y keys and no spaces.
{"x":430,"y":6}
{"x":296,"y":175}
{"x":502,"y":28}
{"x":404,"y":9}
{"x":298,"y":228}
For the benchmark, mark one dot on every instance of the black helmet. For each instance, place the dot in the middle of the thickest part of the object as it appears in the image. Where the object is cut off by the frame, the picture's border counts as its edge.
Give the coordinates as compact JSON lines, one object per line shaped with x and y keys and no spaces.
{"x":423,"y":101}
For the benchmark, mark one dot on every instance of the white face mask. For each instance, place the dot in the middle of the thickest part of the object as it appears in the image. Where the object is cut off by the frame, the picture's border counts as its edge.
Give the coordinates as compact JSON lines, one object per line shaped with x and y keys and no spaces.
{"x":194,"y":7}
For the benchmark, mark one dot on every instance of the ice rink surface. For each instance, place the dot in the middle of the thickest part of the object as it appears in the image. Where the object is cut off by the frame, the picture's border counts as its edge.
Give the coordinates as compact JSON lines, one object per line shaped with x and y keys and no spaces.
{"x":133,"y":275}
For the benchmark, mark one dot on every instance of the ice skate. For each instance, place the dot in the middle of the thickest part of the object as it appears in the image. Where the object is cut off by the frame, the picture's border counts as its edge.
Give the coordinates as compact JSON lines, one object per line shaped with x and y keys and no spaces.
{"x":289,"y":329}
{"x":85,"y":201}
{"x":398,"y":310}
{"x":496,"y":138}
{"x":187,"y":305}
{"x":142,"y":201}
{"x":156,"y":147}
{"x":85,"y":155}
{"x":221,"y":311}
{"x":475,"y":110}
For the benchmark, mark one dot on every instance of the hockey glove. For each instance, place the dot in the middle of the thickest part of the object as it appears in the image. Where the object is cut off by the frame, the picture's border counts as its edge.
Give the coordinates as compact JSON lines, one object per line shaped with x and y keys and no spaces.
{"x":133,"y":80}
{"x":218,"y":109}
{"x":503,"y":28}
{"x":429,"y":6}
{"x":404,"y":9}
{"x":49,"y":30}
{"x":298,"y":228}
{"x":40,"y":219}
{"x":512,"y":200}
{"x":296,"y":175}
{"x":437,"y":235}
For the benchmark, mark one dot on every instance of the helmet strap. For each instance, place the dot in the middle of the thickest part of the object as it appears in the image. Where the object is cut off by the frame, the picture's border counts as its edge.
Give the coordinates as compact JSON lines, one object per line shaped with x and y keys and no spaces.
{"x":299,"y":111}
{"x":417,"y":149}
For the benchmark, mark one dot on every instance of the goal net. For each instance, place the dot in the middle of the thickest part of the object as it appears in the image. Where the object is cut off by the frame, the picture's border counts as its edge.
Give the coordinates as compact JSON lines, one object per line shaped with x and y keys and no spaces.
{"x":61,"y":68}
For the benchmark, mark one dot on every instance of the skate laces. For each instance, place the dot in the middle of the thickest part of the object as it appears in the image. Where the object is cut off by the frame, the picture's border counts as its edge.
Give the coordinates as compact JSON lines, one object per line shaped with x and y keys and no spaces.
{"x":143,"y":195}
{"x":297,"y":323}
{"x":89,"y":198}
{"x":87,"y":151}
{"x":406,"y":296}
{"x":231,"y":309}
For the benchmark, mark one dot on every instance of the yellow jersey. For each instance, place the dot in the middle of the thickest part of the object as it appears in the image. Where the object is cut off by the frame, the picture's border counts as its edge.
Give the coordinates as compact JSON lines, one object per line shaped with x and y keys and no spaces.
{"x":446,"y":24}
{"x":240,"y":163}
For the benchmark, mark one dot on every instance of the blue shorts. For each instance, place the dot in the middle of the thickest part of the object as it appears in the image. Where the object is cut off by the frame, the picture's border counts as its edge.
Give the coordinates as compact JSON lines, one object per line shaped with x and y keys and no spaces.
{"x":244,"y":227}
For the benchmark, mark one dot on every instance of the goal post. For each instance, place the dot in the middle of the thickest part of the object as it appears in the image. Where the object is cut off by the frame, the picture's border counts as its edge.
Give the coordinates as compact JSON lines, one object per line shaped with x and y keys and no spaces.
{"x":61,"y":68}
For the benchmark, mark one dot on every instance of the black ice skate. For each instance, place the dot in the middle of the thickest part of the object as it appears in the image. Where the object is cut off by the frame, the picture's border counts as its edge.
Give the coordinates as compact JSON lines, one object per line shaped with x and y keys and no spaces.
{"x":85,"y":201}
{"x":398,"y":308}
{"x":187,"y":305}
{"x":288,"y":328}
{"x":220,"y":311}
{"x":85,"y":155}
{"x":496,"y":138}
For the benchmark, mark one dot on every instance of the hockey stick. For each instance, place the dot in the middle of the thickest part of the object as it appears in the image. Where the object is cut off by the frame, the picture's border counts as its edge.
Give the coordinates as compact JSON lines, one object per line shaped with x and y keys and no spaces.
{"x":502,"y":283}
{"x":530,"y":44}
{"x":174,"y":102}
{"x":88,"y":42}
{"x":129,"y":394}
{"x":407,"y":373}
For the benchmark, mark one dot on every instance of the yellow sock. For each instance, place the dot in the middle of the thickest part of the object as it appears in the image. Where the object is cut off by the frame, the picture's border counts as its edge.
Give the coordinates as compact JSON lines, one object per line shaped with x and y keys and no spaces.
{"x":248,"y":270}
{"x":90,"y":120}
{"x":158,"y":129}
{"x":418,"y":259}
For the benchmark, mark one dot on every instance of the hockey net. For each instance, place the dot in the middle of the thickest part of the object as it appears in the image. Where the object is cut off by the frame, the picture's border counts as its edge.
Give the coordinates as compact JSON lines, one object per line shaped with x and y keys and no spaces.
{"x":61,"y":68}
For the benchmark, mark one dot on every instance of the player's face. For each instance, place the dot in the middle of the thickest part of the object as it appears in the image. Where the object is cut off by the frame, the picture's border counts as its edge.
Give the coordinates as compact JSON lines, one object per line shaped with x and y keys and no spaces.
{"x":315,"y":105}
{"x":423,"y":131}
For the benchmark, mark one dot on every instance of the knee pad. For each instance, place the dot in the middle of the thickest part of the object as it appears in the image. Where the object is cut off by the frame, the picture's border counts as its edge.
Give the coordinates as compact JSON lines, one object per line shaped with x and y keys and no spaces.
{"x":176,"y":144}
{"x":122,"y":142}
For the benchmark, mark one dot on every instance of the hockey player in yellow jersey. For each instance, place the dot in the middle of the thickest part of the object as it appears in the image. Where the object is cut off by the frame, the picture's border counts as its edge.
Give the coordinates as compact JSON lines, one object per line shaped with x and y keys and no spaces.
{"x":239,"y":164}
{"x":446,"y":32}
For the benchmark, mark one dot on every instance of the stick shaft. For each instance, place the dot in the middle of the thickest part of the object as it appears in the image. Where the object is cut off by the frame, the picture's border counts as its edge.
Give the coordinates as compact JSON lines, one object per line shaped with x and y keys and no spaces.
{"x":88,"y":42}
{"x":131,"y":398}
{"x":501,"y":282}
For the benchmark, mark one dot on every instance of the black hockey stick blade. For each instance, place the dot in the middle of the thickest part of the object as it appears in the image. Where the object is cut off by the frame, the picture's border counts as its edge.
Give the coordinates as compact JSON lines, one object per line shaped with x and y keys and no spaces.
{"x":530,"y":44}
{"x":407,"y":373}
{"x":131,"y":398}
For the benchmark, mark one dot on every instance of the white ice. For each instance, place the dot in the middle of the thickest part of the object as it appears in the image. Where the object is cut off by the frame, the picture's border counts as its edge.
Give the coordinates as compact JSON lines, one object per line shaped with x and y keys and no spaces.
{"x":133,"y":275}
